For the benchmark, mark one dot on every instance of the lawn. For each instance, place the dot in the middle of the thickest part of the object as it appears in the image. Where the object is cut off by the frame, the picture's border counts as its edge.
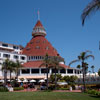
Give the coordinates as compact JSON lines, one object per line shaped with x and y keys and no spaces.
{"x":45,"y":96}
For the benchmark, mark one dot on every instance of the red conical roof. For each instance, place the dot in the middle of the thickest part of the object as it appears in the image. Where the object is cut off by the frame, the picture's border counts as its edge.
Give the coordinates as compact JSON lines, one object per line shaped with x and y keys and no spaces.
{"x":39,"y":46}
{"x":38,"y":24}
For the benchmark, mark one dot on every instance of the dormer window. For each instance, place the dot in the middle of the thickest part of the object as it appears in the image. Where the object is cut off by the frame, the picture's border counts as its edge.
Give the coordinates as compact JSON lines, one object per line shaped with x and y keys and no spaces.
{"x":38,"y":41}
{"x":47,"y":48}
{"x":37,"y":47}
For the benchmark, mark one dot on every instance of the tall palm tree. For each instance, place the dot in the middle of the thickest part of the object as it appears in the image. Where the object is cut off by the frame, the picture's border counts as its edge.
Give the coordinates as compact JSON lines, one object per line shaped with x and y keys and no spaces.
{"x":47,"y":63}
{"x":11,"y":68}
{"x":17,"y":65}
{"x":92,"y":67}
{"x":55,"y":64}
{"x":93,"y":6}
{"x":5,"y":66}
{"x":82,"y":58}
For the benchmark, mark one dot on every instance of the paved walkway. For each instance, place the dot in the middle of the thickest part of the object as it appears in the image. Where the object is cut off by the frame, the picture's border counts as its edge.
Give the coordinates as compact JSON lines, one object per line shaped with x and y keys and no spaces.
{"x":34,"y":90}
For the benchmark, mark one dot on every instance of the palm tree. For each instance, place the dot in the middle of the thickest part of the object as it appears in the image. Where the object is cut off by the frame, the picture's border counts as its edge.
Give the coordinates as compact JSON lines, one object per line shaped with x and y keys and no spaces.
{"x":92,"y":67}
{"x":5,"y":66}
{"x":81,"y":58}
{"x":55,"y":64}
{"x":93,"y":6}
{"x":17,"y":65}
{"x":47,"y":63}
{"x":11,"y":68}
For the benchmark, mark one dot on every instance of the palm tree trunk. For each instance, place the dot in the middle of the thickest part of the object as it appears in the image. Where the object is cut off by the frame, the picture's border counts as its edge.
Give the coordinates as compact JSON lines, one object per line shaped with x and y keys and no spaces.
{"x":10,"y":77}
{"x":47,"y":75}
{"x":84,"y":85}
{"x":5,"y":77}
{"x":55,"y":79}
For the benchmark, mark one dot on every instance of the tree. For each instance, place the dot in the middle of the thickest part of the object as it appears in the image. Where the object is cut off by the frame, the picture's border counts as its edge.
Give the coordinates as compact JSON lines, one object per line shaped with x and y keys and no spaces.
{"x":47,"y":63}
{"x":11,"y":68}
{"x":99,"y":72}
{"x":52,"y":77}
{"x":93,"y":6}
{"x":5,"y":66}
{"x":55,"y":65}
{"x":17,"y":65}
{"x":82,"y":58}
{"x":92,"y":67}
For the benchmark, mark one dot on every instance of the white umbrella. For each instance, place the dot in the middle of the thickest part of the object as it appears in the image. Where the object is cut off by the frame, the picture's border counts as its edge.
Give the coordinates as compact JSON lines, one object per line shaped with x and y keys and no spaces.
{"x":25,"y":81}
{"x":32,"y":80}
{"x":62,"y":83}
{"x":2,"y":81}
{"x":19,"y":80}
{"x":41,"y":81}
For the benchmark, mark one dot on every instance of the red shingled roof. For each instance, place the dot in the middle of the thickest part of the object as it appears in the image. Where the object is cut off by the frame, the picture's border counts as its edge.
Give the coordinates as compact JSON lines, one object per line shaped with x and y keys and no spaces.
{"x":38,"y":24}
{"x":39,"y":46}
{"x":36,"y":64}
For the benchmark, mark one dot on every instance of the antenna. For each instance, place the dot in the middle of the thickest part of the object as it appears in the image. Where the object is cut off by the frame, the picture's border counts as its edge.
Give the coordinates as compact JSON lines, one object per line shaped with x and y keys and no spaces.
{"x":38,"y":15}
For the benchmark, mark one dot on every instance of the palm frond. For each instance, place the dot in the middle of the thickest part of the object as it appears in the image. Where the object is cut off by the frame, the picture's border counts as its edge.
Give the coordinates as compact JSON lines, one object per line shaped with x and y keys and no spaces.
{"x":91,"y":7}
{"x":89,"y":56}
{"x":74,"y":61}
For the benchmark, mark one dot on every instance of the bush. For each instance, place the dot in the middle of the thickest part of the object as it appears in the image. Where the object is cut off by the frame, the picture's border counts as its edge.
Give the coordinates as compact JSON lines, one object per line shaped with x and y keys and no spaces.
{"x":3,"y":89}
{"x":93,"y":92}
{"x":51,"y":87}
{"x":18,"y":88}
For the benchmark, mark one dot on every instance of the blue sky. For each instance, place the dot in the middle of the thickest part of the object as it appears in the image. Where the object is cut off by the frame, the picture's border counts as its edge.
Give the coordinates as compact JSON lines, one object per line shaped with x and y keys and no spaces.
{"x":62,"y":21}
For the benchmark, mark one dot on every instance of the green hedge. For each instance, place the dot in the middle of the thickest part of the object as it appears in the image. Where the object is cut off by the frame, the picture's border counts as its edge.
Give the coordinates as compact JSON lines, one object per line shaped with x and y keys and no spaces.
{"x":18,"y":88}
{"x":93,"y":92}
{"x":3,"y":89}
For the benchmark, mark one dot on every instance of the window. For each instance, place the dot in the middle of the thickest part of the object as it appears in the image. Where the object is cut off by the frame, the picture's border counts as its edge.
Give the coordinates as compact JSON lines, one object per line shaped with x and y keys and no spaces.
{"x":38,"y":41}
{"x":47,"y":48}
{"x":16,"y":57}
{"x":5,"y":45}
{"x":22,"y":58}
{"x":34,"y":71}
{"x":6,"y":55}
{"x":53,"y":70}
{"x":37,"y":47}
{"x":25,"y":71}
{"x":70,"y":71}
{"x":63,"y":71}
{"x":15,"y":47}
{"x":43,"y":70}
{"x":27,"y":48}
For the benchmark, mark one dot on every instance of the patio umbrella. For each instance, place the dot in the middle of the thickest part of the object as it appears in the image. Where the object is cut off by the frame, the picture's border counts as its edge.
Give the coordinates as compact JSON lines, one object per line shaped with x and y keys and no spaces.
{"x":19,"y":80}
{"x":2,"y":81}
{"x":41,"y":81}
{"x":32,"y":80}
{"x":25,"y":81}
{"x":62,"y":83}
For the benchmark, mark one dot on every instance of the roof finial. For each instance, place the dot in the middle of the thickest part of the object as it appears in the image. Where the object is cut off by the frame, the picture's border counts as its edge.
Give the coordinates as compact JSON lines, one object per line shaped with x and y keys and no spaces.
{"x":38,"y":15}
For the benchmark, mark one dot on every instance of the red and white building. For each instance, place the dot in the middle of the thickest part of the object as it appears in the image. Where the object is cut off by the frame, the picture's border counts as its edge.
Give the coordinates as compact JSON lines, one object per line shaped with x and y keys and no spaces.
{"x":33,"y":54}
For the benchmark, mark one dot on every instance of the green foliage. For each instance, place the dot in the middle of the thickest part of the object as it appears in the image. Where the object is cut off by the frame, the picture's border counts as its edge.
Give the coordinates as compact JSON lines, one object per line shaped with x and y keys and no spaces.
{"x":99,"y":72}
{"x":3,"y":89}
{"x":70,"y":79}
{"x":52,"y":77}
{"x":93,"y":92}
{"x":18,"y":88}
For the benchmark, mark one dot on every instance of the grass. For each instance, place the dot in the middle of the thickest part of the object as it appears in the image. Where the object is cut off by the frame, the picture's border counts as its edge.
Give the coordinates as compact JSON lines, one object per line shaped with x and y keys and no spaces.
{"x":45,"y":96}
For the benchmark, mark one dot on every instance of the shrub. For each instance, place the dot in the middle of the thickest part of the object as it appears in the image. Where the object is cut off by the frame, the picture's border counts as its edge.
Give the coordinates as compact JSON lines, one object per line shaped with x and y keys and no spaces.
{"x":3,"y":89}
{"x":18,"y":88}
{"x":93,"y":92}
